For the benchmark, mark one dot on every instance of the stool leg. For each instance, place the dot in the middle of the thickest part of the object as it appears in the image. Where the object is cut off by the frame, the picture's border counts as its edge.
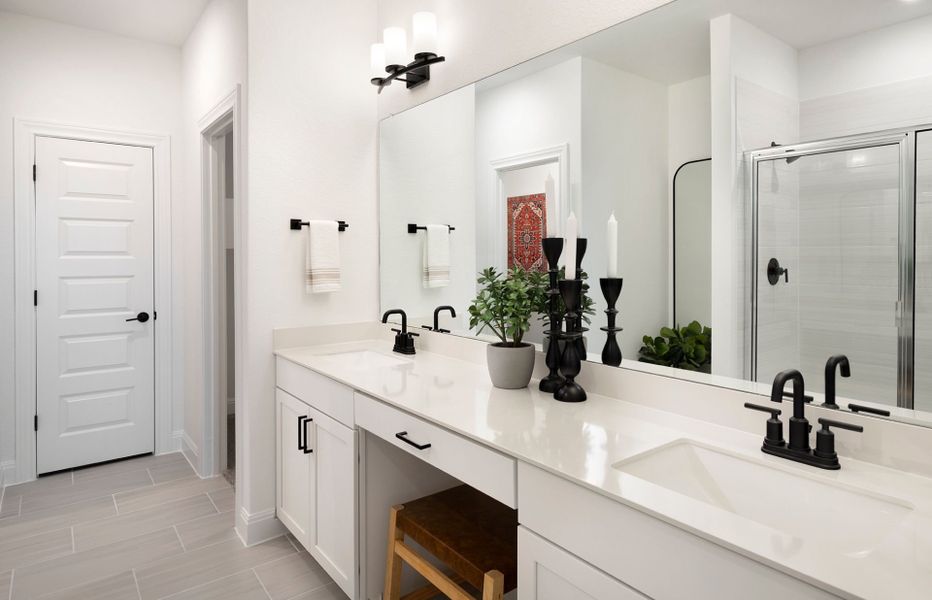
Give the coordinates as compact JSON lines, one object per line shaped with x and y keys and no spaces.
{"x":393,"y":562}
{"x":493,"y":586}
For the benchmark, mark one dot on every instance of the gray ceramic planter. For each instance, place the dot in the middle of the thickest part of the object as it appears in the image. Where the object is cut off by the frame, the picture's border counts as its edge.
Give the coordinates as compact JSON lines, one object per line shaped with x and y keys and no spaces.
{"x":510,"y":367}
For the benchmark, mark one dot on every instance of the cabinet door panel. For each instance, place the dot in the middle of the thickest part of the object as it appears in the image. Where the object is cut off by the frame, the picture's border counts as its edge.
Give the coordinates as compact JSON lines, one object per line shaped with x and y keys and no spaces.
{"x":333,"y":535}
{"x":547,"y":572}
{"x":294,"y":467}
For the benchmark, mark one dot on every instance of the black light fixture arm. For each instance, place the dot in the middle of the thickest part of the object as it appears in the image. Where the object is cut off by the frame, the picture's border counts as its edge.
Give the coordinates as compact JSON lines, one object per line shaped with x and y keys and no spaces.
{"x":417,"y":72}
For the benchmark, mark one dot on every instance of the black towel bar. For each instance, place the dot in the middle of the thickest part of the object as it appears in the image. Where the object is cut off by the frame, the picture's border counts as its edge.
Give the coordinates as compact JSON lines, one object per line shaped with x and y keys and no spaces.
{"x":414,"y":227}
{"x":297,"y":224}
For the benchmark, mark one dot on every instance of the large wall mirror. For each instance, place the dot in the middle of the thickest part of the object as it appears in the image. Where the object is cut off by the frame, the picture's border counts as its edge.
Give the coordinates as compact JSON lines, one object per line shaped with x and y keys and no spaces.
{"x":769,"y":164}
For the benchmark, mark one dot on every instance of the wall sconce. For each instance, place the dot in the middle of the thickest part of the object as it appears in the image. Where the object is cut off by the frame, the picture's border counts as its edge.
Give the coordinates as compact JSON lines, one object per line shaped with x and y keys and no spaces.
{"x":391,"y":56}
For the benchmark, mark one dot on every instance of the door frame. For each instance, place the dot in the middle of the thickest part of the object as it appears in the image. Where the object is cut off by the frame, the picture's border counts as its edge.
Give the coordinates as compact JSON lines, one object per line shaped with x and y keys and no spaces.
{"x":224,"y":115}
{"x":25,"y":132}
{"x":499,"y":167}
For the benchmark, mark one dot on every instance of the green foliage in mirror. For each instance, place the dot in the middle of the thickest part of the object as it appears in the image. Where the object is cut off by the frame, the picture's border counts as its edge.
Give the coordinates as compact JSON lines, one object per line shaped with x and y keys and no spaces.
{"x":505,"y":303}
{"x":688,"y":348}
{"x":543,"y":307}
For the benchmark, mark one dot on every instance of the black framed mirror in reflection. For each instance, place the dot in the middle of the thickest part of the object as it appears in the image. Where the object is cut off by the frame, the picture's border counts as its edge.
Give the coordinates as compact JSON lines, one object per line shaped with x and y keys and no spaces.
{"x":802,"y":237}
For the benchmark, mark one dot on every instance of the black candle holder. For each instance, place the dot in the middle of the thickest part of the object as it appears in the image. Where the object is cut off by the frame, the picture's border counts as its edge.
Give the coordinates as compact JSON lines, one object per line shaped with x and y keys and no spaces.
{"x":570,"y":391}
{"x":553,"y":247}
{"x":611,"y":289}
{"x":581,"y":244}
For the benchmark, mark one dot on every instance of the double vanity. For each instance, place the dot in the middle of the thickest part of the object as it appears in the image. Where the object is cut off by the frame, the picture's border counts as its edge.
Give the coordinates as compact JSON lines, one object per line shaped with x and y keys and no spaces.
{"x":616,"y":499}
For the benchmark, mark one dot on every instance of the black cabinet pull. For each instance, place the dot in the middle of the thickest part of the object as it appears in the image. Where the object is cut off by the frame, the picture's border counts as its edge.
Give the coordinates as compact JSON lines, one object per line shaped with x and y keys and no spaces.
{"x":403,"y":437}
{"x":306,"y":449}
{"x":855,"y":408}
{"x":302,"y":434}
{"x":141,"y":317}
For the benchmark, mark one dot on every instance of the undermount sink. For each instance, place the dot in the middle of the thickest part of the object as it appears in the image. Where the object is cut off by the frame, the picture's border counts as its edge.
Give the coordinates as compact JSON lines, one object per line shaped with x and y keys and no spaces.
{"x":855,"y":521}
{"x":367,"y":359}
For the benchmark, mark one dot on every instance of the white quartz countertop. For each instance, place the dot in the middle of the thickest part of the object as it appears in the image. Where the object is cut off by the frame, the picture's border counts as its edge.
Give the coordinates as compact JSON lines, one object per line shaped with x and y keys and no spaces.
{"x":581,"y":442}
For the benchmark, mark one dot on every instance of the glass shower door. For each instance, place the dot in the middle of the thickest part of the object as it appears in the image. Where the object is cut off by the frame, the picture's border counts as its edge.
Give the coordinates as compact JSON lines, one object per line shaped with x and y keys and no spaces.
{"x":828,"y":267}
{"x":923,"y":306}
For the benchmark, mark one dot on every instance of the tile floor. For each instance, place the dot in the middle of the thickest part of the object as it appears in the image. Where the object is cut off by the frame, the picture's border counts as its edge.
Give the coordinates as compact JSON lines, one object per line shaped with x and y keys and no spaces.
{"x":142,"y":529}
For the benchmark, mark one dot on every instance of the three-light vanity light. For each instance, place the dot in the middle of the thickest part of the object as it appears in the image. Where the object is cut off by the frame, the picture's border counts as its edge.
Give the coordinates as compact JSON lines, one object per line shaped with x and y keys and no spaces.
{"x":389,"y":59}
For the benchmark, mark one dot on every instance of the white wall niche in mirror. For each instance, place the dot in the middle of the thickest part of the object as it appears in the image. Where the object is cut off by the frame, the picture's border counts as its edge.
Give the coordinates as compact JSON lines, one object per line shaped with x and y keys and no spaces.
{"x":688,"y":81}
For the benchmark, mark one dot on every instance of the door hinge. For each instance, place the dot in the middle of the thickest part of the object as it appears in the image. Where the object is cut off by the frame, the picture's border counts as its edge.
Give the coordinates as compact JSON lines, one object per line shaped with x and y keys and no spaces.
{"x":35,"y":423}
{"x":35,"y":297}
{"x":33,"y":172}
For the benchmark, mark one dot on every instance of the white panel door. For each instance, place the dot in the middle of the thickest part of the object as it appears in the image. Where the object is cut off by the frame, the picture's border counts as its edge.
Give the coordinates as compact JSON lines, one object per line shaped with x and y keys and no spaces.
{"x":94,"y":270}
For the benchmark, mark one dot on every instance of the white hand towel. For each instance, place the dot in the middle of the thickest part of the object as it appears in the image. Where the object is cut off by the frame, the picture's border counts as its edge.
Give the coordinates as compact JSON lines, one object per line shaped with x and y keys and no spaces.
{"x":322,"y":263}
{"x":437,"y":257}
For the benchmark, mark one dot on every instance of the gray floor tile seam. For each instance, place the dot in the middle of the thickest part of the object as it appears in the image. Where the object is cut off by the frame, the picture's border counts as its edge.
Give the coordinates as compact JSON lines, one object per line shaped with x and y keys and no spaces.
{"x":206,"y":583}
{"x":138,"y":510}
{"x":216,"y":508}
{"x":261,"y":583}
{"x":12,"y":578}
{"x":67,"y":504}
{"x":116,"y":506}
{"x":76,"y":586}
{"x":136,"y":581}
{"x":184,"y":550}
{"x":32,"y":536}
{"x":151,"y":478}
{"x":283,"y":558}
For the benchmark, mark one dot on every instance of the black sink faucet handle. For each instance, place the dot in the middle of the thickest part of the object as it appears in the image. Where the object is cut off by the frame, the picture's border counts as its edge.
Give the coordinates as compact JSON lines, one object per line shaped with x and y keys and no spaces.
{"x":825,"y":440}
{"x":774,"y":424}
{"x":799,"y":425}
{"x":844,"y":367}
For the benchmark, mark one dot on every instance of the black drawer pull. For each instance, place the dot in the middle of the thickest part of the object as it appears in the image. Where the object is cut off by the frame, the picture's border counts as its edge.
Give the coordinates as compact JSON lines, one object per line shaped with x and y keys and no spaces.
{"x":302,"y":433}
{"x":306,"y":449}
{"x":402,"y":436}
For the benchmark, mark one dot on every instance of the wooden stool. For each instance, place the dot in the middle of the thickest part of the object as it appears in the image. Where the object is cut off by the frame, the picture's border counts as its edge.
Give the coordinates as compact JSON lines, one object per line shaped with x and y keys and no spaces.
{"x":472,"y":534}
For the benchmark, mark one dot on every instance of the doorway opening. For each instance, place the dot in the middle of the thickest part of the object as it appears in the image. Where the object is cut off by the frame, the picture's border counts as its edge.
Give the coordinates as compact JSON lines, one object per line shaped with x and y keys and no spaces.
{"x":221,"y":202}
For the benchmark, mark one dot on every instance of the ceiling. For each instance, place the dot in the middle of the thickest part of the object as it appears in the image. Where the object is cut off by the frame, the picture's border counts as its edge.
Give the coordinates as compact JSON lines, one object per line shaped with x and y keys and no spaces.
{"x":671,"y":43}
{"x":162,"y":21}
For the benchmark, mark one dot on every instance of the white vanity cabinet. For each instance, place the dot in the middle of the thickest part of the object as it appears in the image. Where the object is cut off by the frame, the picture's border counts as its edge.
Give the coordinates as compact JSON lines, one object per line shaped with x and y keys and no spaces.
{"x":316,"y":496}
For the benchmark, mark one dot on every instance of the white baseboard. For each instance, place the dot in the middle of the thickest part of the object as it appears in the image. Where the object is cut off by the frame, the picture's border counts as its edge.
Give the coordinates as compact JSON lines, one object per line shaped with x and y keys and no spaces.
{"x":258,"y":527}
{"x":7,"y":473}
{"x":190,"y":451}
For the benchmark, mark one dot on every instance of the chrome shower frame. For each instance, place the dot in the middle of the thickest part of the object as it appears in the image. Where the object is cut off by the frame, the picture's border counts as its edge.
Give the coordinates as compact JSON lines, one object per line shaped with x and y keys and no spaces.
{"x":905,"y":140}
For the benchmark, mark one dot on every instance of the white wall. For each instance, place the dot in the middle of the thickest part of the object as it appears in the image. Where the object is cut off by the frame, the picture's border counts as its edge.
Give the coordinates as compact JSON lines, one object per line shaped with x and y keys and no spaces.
{"x":311,"y":154}
{"x":482,"y":37}
{"x":213,"y":64}
{"x":426,"y":176}
{"x":739,"y":51}
{"x":689,"y":135}
{"x":56,"y":72}
{"x":624,"y":170}
{"x":876,"y":80}
{"x":541,"y":110}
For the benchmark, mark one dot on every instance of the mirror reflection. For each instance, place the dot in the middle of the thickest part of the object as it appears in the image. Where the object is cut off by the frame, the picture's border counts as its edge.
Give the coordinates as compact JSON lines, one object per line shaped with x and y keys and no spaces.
{"x":769,"y":166}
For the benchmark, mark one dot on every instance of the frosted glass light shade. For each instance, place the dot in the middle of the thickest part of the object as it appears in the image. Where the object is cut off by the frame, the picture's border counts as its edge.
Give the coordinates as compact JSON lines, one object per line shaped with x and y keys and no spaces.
{"x":377,"y":61}
{"x":425,"y":32}
{"x":396,"y":50}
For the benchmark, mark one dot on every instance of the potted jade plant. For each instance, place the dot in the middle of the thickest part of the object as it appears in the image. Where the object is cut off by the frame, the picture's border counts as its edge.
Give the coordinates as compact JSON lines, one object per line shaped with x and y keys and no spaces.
{"x":504,"y":306}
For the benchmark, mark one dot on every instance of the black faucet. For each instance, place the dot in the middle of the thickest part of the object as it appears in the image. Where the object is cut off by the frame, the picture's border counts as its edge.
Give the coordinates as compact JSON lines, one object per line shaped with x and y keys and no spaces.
{"x":839,"y":360}
{"x":437,"y":312}
{"x":404,"y":340}
{"x":798,"y":448}
{"x":799,"y":425}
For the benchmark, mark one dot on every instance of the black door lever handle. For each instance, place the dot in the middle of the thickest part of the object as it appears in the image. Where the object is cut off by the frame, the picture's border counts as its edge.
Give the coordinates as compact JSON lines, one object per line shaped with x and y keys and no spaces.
{"x":141,"y":317}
